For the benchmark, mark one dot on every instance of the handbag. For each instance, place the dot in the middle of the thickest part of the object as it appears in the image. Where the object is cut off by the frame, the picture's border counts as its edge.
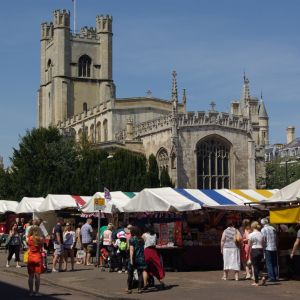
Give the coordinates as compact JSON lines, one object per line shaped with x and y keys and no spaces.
{"x":25,"y":257}
{"x":80,"y":254}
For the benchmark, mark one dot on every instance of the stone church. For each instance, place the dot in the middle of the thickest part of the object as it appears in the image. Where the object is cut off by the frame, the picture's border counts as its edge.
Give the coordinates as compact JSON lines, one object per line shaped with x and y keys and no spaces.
{"x":202,"y":149}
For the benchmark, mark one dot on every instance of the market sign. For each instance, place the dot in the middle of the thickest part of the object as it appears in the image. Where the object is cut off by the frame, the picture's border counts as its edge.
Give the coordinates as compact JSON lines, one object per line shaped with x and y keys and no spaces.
{"x":99,"y":203}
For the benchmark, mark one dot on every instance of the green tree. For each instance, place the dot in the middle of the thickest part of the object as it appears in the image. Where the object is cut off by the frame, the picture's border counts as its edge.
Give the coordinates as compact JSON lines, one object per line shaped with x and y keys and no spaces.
{"x":165,"y":180}
{"x":279,"y":173}
{"x":126,"y":171}
{"x":6,"y":191}
{"x":153,"y":173}
{"x":45,"y":163}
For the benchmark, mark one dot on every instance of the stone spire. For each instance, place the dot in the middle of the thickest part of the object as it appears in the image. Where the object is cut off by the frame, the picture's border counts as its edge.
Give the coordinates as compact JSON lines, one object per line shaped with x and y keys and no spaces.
{"x":174,"y":87}
{"x":246,"y":91}
{"x":262,"y":112}
{"x":184,"y":98}
{"x":174,"y":105}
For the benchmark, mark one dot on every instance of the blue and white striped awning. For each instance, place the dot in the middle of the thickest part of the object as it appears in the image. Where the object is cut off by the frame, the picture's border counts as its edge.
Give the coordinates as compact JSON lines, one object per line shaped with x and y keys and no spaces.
{"x":168,"y":199}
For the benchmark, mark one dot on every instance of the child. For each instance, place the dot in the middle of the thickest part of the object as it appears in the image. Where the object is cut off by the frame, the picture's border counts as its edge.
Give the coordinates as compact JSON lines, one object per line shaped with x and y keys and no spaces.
{"x":103,"y":258}
{"x":122,"y":250}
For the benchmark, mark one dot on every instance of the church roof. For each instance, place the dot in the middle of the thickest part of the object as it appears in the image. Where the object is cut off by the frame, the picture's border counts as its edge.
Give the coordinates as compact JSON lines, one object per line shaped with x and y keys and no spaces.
{"x":262,"y":112}
{"x":294,"y":144}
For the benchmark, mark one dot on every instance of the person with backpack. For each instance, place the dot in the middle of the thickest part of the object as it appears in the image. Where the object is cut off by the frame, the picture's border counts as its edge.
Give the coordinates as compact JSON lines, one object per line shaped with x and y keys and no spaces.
{"x":122,"y":250}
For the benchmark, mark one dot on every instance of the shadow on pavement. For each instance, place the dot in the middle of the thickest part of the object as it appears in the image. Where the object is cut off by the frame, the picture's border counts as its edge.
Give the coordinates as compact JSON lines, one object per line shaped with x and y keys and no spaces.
{"x":157,"y":288}
{"x":9,"y":291}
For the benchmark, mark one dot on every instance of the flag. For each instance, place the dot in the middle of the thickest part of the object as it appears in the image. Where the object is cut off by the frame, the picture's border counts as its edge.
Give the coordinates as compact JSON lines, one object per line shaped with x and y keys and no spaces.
{"x":107,"y":195}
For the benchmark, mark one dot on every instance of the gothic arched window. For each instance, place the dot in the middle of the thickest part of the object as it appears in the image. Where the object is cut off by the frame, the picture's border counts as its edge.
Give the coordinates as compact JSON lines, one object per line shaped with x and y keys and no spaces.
{"x":213,"y":164}
{"x":105,"y":131}
{"x":98,"y":132}
{"x":162,"y":159}
{"x":84,"y":66}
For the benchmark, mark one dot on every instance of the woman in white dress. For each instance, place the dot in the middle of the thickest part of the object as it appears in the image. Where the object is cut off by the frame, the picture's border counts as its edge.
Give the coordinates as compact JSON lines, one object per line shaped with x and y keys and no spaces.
{"x":230,"y":249}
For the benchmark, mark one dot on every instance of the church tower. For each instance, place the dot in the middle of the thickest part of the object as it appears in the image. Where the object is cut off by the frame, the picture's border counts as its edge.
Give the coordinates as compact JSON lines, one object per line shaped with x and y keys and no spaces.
{"x":76,"y":68}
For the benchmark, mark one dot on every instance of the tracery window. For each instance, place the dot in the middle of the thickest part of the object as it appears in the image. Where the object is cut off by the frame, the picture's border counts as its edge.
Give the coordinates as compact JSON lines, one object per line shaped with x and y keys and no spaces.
{"x":84,"y":66}
{"x":213,"y":164}
{"x":162,"y":159}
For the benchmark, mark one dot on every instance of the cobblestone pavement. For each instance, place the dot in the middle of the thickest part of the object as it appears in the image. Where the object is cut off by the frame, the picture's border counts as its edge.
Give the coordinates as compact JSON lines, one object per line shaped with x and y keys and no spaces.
{"x":93,"y":283}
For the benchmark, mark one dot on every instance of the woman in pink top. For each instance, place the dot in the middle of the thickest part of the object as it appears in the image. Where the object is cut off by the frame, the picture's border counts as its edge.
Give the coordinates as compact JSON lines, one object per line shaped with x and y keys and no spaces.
{"x":245,"y":249}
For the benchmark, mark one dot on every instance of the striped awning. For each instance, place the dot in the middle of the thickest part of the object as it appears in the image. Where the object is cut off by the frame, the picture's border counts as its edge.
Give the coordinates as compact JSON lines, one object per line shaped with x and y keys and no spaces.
{"x":229,"y":198}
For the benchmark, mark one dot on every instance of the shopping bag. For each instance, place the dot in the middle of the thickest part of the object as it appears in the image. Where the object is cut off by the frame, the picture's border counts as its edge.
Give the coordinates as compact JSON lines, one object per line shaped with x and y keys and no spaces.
{"x":80,"y":254}
{"x":25,"y":257}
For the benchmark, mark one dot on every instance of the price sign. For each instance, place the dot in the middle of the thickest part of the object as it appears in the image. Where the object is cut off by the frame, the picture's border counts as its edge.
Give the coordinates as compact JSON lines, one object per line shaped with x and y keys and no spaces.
{"x":99,"y":203}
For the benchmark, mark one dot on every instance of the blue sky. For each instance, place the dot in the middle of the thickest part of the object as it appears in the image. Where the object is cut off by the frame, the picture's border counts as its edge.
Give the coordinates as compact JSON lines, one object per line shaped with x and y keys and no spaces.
{"x":209,"y":43}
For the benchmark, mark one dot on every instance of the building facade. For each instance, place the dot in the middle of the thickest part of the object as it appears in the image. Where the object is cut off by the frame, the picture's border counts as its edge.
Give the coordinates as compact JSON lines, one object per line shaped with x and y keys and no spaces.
{"x":203,"y":149}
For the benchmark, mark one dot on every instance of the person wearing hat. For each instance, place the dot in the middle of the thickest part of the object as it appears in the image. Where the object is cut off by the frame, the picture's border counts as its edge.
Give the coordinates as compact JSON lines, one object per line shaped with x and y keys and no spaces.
{"x":122,"y":251}
{"x":270,"y":251}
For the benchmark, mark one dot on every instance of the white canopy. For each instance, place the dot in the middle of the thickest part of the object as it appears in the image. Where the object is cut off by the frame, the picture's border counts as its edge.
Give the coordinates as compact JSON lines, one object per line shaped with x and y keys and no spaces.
{"x":289,"y":193}
{"x":58,"y":202}
{"x":160,"y":199}
{"x":29,"y":205}
{"x":118,"y":200}
{"x":7,"y":205}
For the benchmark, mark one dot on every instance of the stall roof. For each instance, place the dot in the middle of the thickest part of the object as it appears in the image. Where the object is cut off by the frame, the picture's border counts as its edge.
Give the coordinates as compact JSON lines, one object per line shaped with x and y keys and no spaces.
{"x":118,"y":200}
{"x":8,"y":205}
{"x":290,"y":193}
{"x":168,"y":199}
{"x":58,"y":202}
{"x":29,"y":205}
{"x":161,"y":199}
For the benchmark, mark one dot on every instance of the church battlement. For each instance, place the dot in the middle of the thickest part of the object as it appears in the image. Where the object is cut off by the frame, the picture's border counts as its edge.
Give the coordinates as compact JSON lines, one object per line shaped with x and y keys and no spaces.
{"x":86,"y":115}
{"x":46,"y":31}
{"x":61,"y":18}
{"x":86,"y":33}
{"x":200,"y":118}
{"x":104,"y":24}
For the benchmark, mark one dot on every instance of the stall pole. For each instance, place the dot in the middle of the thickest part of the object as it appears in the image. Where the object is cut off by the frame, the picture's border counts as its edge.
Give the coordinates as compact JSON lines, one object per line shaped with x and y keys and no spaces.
{"x":98,"y":240}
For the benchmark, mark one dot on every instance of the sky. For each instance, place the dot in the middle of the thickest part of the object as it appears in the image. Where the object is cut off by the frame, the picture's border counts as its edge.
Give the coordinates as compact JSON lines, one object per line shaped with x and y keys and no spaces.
{"x":210,"y":43}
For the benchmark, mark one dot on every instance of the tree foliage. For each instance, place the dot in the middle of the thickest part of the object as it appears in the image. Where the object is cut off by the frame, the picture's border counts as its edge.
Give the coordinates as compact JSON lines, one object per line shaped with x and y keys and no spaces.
{"x":153,"y":172}
{"x":45,"y":163}
{"x":49,"y":163}
{"x":279,"y":173}
{"x":165,"y":180}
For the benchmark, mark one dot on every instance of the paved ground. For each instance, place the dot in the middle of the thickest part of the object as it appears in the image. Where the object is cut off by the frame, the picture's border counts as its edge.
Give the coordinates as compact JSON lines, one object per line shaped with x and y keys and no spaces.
{"x":90,"y":283}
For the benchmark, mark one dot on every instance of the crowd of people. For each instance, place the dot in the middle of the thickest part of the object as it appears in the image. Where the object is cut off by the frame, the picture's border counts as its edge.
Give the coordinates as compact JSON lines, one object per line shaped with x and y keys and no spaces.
{"x":128,"y":249}
{"x":123,"y":250}
{"x":250,"y":247}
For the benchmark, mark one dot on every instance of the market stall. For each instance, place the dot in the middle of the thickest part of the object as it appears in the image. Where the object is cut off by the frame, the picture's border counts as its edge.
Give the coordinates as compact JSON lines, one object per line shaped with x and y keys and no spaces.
{"x":7,"y":210}
{"x":118,"y":200}
{"x":284,"y":209}
{"x":190,"y":232}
